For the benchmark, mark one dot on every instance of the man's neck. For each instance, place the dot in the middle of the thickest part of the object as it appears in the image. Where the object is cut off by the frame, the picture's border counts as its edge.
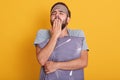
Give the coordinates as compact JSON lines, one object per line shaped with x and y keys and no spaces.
{"x":64,"y":32}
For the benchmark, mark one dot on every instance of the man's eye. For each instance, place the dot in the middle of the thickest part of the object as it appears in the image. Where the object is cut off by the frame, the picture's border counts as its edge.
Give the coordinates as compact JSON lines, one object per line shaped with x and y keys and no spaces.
{"x":53,"y":13}
{"x":61,"y":13}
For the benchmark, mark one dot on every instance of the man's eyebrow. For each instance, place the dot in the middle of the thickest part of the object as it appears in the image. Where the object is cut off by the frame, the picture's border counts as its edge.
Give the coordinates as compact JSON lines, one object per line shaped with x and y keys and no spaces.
{"x":61,"y":11}
{"x":53,"y":11}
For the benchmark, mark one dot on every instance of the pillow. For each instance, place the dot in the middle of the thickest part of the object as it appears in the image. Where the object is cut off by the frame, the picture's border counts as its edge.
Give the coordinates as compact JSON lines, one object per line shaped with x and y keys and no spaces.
{"x":67,"y":48}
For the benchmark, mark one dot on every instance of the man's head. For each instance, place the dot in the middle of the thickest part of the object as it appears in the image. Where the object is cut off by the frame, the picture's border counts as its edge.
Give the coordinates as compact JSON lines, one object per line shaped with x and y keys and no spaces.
{"x":60,"y":11}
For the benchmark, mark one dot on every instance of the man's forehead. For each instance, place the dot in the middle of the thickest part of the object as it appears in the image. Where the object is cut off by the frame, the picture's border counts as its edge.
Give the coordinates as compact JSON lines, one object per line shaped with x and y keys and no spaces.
{"x":61,"y":8}
{"x":58,"y":9}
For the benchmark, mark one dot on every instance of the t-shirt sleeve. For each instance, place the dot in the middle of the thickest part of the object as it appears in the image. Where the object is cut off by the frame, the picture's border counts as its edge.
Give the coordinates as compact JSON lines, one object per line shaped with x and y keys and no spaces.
{"x":39,"y":37}
{"x":84,"y":46}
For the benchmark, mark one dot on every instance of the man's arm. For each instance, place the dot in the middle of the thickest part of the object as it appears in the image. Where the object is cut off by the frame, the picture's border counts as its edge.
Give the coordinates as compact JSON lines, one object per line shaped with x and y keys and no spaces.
{"x":69,"y":65}
{"x":76,"y":63}
{"x":44,"y":53}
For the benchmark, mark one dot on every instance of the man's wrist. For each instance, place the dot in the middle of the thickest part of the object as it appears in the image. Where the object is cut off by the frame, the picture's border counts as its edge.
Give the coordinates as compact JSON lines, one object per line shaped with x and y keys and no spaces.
{"x":54,"y":37}
{"x":58,"y":64}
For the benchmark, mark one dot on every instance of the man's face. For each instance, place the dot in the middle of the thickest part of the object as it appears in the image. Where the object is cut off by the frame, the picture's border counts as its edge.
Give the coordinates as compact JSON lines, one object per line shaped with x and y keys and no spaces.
{"x":59,"y":13}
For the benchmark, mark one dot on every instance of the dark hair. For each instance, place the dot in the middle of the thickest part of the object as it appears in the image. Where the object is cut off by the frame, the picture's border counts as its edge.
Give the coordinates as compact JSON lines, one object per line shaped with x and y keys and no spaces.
{"x":61,"y":3}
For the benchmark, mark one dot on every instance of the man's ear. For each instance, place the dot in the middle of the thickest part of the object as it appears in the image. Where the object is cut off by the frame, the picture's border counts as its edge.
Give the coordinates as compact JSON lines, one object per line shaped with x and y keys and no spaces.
{"x":68,"y":19}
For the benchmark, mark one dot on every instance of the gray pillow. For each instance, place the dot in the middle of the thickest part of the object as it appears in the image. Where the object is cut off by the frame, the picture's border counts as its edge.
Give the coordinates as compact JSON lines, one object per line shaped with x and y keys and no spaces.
{"x":67,"y":48}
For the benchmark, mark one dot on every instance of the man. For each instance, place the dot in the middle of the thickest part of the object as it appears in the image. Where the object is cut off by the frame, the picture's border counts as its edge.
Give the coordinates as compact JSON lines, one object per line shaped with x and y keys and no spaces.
{"x":59,"y":18}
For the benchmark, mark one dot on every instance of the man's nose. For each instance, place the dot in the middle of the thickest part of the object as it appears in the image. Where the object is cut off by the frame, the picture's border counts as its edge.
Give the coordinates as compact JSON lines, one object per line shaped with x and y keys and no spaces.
{"x":57,"y":15}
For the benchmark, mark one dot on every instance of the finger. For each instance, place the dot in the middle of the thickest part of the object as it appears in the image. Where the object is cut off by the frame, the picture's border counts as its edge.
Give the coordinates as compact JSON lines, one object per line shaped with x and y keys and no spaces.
{"x":59,"y":24}
{"x":48,"y":72}
{"x":46,"y":69}
{"x":55,"y":23}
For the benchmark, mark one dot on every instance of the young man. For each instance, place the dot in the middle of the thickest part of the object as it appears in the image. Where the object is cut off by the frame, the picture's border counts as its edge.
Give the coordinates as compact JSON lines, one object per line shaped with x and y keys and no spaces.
{"x":59,"y":18}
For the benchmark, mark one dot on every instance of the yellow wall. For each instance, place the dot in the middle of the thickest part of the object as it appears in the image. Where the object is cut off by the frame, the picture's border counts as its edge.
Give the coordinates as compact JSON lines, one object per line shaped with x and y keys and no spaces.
{"x":21,"y":19}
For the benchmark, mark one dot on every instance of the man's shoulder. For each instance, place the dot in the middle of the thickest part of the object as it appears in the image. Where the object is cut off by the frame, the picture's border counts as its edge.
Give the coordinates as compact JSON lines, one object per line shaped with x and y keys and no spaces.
{"x":44,"y":33}
{"x":76,"y":32}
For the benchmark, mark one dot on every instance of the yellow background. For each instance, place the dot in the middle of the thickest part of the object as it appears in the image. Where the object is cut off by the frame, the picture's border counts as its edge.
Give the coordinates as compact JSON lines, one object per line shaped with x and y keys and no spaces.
{"x":21,"y":19}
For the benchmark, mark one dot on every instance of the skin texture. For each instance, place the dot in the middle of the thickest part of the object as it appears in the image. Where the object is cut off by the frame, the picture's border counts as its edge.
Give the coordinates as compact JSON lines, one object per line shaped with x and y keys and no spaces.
{"x":58,"y":18}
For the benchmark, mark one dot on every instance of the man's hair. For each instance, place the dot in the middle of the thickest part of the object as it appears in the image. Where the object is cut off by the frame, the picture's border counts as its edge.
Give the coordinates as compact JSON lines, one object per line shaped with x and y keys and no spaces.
{"x":61,"y":3}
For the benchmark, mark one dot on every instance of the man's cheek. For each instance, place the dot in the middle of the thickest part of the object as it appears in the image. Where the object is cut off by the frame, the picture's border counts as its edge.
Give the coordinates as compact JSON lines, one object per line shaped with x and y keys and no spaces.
{"x":52,"y":18}
{"x":62,"y":20}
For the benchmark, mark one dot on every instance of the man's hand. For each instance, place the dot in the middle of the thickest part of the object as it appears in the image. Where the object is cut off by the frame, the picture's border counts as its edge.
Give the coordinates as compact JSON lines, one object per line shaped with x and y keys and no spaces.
{"x":50,"y":67}
{"x":56,"y":28}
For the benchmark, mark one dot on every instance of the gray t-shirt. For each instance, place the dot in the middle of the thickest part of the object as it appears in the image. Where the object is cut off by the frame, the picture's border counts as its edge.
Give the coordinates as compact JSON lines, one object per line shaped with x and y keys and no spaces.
{"x":43,"y":35}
